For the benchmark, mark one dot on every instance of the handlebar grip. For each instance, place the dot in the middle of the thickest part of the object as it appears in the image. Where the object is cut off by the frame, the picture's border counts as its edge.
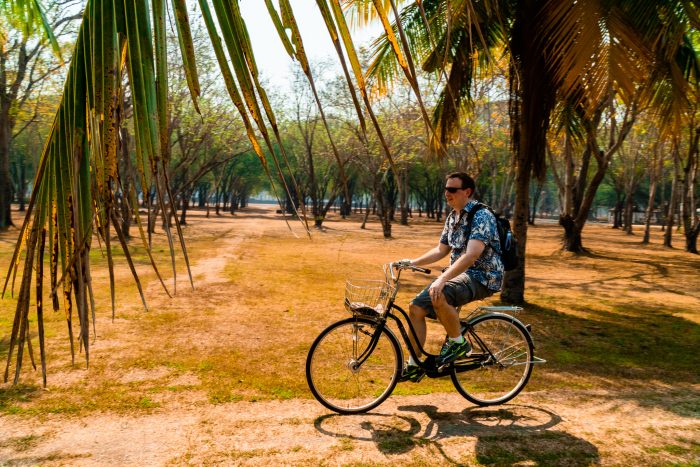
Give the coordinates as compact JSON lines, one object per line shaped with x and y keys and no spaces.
{"x":423,"y":270}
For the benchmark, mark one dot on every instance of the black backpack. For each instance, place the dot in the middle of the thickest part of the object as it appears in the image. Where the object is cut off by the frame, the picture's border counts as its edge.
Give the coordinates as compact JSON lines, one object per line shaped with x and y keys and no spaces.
{"x":509,"y":245}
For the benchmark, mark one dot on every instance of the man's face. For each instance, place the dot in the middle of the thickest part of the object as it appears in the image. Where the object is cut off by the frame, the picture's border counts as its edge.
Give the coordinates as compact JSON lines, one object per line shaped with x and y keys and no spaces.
{"x":459,"y":198}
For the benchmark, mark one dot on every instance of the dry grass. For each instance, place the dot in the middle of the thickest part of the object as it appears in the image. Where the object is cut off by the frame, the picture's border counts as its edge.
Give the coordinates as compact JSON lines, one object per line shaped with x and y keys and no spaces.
{"x":624,"y":318}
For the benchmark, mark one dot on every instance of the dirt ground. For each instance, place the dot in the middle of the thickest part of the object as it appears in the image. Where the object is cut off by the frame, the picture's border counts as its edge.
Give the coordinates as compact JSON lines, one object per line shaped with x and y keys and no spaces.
{"x":650,"y":422}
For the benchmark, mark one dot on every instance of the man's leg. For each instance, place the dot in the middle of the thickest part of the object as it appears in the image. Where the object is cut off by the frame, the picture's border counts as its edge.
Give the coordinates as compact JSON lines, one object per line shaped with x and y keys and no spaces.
{"x":458,"y":291}
{"x":417,"y":315}
{"x":420,"y":308}
{"x":448,"y":316}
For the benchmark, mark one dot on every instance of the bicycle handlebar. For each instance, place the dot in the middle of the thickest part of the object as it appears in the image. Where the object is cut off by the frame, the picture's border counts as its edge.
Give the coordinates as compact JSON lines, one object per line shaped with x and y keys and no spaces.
{"x":400,"y":266}
{"x":417,"y":269}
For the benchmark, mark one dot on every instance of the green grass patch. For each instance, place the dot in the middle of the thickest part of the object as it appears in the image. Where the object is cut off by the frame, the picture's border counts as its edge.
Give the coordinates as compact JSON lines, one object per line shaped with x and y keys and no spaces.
{"x":146,"y":403}
{"x":12,"y":395}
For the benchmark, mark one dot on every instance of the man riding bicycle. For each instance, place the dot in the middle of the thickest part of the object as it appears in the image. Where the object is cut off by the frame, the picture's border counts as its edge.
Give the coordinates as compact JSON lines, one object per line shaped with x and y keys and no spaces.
{"x":475,"y":272}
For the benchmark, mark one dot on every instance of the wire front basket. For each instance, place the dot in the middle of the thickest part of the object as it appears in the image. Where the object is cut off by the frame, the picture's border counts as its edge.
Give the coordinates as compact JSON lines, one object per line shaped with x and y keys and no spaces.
{"x":368,"y":297}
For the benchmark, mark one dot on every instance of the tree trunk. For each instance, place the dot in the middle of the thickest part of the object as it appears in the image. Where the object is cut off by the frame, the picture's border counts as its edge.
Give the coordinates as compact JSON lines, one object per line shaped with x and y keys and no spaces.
{"x":691,"y":239}
{"x":153,"y":215}
{"x":671,"y":213}
{"x":653,"y":176}
{"x":569,"y":180}
{"x":617,"y":213}
{"x":384,"y":208}
{"x":22,"y":183}
{"x":202,"y":195}
{"x":572,"y":234}
{"x":403,"y":197}
{"x":126,"y":174}
{"x":185,"y":206}
{"x":5,"y":180}
{"x":367,"y":211}
{"x":691,"y":226}
{"x":514,"y":280}
{"x":535,"y":201}
{"x":628,"y":213}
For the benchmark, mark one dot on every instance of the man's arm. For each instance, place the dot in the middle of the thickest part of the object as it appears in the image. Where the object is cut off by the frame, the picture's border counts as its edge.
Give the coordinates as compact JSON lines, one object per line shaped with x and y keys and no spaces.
{"x":474,"y":250}
{"x":431,"y":256}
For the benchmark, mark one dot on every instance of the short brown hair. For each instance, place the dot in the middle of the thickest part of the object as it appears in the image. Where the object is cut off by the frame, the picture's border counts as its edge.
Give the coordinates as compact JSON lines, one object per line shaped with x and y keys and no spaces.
{"x":467,"y":181}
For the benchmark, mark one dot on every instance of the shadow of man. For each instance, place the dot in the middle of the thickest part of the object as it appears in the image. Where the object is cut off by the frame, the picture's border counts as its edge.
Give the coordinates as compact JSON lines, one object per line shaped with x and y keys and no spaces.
{"x":512,"y":434}
{"x":507,"y":435}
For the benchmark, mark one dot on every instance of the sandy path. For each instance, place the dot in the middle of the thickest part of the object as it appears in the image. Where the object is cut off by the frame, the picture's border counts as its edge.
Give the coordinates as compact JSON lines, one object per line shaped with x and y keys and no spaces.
{"x":549,"y":428}
{"x":559,"y":428}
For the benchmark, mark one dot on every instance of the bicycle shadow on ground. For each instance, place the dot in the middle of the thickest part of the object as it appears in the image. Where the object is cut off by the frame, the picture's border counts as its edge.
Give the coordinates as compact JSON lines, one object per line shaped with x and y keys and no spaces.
{"x":504,"y":436}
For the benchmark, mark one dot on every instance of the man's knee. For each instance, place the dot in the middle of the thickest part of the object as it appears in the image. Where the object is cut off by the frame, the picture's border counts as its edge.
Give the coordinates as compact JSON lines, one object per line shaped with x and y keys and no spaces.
{"x":440,"y":303}
{"x":416,"y":311}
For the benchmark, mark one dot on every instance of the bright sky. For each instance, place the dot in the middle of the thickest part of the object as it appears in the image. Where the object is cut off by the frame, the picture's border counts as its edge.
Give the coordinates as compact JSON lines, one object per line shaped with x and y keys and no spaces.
{"x":270,"y":55}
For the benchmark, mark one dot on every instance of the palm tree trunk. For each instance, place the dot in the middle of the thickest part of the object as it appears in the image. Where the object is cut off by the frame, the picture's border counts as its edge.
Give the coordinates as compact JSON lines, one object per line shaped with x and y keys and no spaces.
{"x":514,"y":281}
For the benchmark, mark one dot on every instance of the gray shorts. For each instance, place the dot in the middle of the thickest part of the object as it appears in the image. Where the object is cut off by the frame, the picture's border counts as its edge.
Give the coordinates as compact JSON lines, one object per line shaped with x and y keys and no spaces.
{"x":458,"y":291}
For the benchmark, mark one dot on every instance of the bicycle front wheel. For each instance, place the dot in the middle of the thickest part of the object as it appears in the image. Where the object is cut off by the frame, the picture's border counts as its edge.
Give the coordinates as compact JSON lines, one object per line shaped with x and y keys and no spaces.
{"x":352,"y":369}
{"x":503,"y":350}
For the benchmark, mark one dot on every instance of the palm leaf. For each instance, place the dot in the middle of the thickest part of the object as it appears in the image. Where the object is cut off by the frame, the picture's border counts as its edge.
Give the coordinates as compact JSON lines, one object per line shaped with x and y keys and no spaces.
{"x":184,"y":35}
{"x":76,"y":174}
{"x":344,"y":31}
{"x":235,"y":38}
{"x":289,"y":22}
{"x":29,"y":17}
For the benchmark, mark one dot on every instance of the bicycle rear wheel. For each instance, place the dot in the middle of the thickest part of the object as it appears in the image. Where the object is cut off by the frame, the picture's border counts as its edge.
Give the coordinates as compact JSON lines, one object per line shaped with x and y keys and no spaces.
{"x":504,"y":351}
{"x":339,"y":375}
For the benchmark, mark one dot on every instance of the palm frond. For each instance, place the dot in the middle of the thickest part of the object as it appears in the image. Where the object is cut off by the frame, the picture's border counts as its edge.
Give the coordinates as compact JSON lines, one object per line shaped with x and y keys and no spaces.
{"x":29,"y":17}
{"x":342,"y":28}
{"x":298,"y":52}
{"x":77,"y":176}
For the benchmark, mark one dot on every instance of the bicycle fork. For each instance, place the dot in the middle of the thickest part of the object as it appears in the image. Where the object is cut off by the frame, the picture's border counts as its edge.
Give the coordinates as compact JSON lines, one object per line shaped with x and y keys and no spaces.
{"x":355,"y":364}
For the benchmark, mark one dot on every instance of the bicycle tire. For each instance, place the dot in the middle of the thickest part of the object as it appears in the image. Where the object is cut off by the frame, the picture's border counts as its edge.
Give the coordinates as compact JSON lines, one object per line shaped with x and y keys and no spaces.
{"x":334,"y":381}
{"x":506,"y":362}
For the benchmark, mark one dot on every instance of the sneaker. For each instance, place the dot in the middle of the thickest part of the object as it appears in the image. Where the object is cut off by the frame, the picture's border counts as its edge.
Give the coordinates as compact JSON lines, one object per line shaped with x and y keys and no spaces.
{"x":412,"y":373}
{"x":451,"y":351}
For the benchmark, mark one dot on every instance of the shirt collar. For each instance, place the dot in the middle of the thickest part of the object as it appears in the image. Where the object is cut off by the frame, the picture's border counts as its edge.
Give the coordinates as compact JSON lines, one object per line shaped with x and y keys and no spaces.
{"x":465,"y":210}
{"x":467,"y":207}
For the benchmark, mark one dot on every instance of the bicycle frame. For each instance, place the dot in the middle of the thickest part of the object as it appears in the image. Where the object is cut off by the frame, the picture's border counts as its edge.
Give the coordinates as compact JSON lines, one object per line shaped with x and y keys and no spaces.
{"x":428,"y":364}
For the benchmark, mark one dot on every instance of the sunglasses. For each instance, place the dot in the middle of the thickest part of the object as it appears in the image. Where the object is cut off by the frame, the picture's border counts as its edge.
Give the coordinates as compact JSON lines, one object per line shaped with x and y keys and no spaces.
{"x":452,"y":189}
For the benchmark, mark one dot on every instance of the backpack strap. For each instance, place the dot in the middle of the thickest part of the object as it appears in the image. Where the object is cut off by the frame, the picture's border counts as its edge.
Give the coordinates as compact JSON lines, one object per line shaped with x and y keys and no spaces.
{"x":470,"y":215}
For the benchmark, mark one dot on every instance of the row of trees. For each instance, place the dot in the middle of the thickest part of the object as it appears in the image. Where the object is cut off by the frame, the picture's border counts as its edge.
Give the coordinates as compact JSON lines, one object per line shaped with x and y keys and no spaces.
{"x":211,"y":162}
{"x":581,"y":72}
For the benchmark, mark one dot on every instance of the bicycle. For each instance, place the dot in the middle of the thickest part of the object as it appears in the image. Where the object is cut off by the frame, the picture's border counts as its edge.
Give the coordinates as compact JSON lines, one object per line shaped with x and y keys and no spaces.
{"x":355,"y":364}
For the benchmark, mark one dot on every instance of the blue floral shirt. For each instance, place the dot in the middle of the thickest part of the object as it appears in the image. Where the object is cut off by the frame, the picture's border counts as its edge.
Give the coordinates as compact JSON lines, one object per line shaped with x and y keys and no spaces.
{"x":488,"y":268}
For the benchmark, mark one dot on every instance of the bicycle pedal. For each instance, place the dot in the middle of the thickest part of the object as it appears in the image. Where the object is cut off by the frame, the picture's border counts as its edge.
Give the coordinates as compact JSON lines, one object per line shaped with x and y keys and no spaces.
{"x":443,"y":366}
